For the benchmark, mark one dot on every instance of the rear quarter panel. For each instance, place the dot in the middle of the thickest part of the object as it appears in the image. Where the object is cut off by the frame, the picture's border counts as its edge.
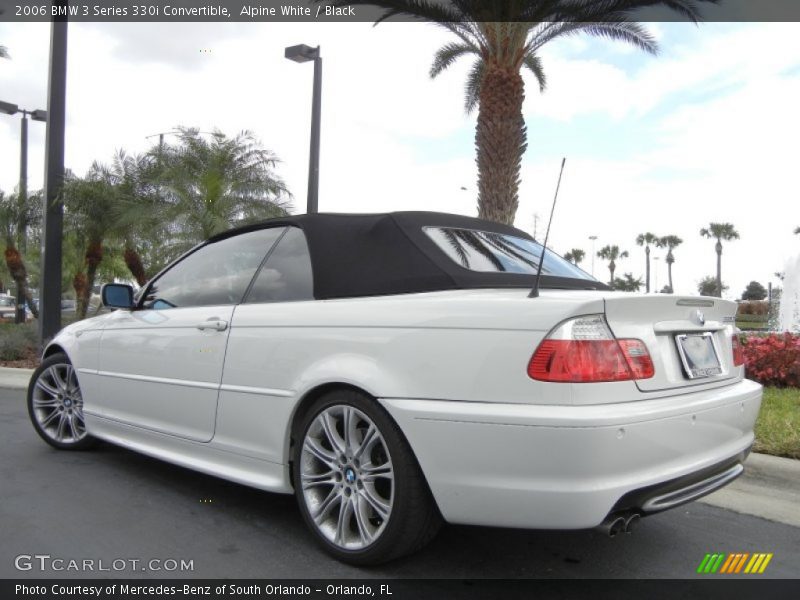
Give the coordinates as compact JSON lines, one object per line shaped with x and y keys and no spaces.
{"x":468,"y":346}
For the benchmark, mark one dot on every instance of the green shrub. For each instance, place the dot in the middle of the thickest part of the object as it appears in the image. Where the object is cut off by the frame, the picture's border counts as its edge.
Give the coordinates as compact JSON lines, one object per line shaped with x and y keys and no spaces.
{"x":17,"y":341}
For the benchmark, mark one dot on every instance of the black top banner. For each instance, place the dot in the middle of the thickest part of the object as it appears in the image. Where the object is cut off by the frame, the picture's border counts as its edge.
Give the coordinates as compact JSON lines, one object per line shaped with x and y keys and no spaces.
{"x":330,"y":11}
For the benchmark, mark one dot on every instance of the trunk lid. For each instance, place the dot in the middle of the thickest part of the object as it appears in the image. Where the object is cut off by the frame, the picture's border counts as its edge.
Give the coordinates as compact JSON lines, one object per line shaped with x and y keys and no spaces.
{"x":682,"y":334}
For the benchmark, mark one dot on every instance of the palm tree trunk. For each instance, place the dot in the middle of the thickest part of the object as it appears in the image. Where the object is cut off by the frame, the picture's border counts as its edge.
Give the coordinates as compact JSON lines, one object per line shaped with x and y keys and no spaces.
{"x":19,"y":274}
{"x":647,"y":268}
{"x":612,"y":266}
{"x":134,"y":264}
{"x":94,"y":255}
{"x":670,"y":260}
{"x":719,"y":269}
{"x":79,"y":285}
{"x":500,"y":140}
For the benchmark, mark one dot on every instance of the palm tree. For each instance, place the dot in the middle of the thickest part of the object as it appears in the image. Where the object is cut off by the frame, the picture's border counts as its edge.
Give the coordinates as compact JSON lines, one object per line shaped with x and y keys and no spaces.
{"x":612,"y":254}
{"x":627,"y":283}
{"x":708,"y":286}
{"x":210,"y":185}
{"x":91,"y":208}
{"x":645,"y":239}
{"x":506,"y":37}
{"x":137,"y":210}
{"x":670,"y":242}
{"x":719,"y":231}
{"x":15,"y":263}
{"x":575,"y":256}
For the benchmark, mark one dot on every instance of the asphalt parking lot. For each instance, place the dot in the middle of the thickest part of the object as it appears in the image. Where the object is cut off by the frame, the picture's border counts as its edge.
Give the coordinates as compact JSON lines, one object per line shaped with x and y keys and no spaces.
{"x":111,"y":504}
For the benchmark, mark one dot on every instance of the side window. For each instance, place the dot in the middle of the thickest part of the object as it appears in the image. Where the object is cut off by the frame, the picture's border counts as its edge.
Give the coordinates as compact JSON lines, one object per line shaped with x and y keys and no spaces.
{"x":218,"y":273}
{"x":286,"y":274}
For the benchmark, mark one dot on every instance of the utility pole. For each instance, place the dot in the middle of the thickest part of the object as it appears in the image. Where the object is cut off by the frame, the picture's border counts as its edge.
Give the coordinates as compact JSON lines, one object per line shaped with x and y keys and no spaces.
{"x":53,"y":225}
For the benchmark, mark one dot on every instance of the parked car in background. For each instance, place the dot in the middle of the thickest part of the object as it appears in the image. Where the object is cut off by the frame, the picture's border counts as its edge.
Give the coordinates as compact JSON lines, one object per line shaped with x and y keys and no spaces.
{"x":68,"y":306}
{"x":392,"y":371}
{"x":8,"y":307}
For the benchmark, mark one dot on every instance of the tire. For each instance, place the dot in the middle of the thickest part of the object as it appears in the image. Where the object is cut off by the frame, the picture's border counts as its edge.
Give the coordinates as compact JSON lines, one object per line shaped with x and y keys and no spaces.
{"x":55,"y":405}
{"x":368,"y":502}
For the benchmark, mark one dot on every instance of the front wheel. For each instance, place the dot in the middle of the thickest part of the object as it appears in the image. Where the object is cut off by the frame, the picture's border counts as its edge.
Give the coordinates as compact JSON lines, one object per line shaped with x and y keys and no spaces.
{"x":55,"y":405}
{"x":358,"y":485}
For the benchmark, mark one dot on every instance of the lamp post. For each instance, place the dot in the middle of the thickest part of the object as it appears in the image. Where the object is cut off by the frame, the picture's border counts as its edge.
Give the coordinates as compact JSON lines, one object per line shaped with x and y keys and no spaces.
{"x":655,"y":272}
{"x":594,"y":239}
{"x":300,"y":54}
{"x":53,"y":209}
{"x":22,"y":197}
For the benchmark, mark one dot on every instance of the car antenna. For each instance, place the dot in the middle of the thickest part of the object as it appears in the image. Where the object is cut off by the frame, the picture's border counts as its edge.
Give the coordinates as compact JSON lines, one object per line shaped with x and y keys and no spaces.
{"x":535,"y":291}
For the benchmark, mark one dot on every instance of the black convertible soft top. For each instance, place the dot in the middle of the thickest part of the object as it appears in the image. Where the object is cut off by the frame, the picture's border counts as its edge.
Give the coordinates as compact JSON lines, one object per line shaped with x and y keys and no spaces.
{"x":378,"y":254}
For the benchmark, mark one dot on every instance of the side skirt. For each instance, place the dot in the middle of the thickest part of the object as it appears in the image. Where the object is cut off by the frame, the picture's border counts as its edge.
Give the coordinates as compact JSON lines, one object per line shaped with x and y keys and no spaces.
{"x":198,"y":456}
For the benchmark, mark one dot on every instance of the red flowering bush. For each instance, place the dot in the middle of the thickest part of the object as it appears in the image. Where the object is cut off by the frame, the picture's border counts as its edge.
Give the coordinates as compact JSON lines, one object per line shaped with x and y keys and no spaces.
{"x":772,"y":359}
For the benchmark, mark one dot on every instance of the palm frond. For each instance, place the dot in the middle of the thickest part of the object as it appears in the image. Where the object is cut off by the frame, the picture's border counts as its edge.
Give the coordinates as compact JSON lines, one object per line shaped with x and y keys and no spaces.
{"x":624,"y":31}
{"x":457,"y":247}
{"x":448,"y":54}
{"x":473,"y":241}
{"x":472,"y":90}
{"x":595,"y":10}
{"x":534,"y":64}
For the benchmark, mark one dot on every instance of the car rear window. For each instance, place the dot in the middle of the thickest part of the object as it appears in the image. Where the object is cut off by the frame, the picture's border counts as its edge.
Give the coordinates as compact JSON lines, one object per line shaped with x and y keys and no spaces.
{"x":489,"y":252}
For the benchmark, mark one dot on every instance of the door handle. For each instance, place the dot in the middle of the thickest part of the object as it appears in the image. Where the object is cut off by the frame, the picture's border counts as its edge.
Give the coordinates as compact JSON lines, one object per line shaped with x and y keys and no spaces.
{"x":213,"y":323}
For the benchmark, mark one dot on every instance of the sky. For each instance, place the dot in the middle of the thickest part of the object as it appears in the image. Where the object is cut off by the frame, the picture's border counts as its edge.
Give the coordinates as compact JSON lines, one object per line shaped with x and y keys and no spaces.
{"x":708,"y":130}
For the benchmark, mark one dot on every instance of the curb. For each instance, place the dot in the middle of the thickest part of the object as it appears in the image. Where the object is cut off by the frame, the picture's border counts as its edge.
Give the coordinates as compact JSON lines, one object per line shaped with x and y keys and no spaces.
{"x":769,"y":488}
{"x":14,"y":378}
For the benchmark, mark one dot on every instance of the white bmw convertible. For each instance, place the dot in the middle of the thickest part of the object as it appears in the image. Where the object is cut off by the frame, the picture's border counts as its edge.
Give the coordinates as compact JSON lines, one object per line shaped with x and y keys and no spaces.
{"x":392,"y":371}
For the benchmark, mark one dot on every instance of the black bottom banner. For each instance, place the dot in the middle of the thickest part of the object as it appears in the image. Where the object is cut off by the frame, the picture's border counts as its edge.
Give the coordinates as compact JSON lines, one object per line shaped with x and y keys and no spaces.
{"x":396,"y":589}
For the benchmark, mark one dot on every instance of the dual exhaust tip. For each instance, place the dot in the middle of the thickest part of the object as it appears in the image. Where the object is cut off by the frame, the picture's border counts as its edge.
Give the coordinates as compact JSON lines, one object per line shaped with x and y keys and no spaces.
{"x":619,"y":523}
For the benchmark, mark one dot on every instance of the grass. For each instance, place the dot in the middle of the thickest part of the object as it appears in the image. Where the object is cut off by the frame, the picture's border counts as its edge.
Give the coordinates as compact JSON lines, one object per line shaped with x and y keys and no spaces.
{"x":778,"y":425}
{"x":752,"y":325}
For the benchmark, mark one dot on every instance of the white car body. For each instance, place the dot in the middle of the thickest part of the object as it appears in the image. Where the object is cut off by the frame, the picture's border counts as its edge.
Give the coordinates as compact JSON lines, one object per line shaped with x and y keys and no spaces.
{"x":496,"y":447}
{"x":397,"y":366}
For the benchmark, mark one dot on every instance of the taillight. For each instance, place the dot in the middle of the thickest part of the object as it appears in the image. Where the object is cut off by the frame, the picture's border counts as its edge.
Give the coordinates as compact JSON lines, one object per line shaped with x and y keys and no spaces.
{"x":738,"y":351}
{"x":583,"y":350}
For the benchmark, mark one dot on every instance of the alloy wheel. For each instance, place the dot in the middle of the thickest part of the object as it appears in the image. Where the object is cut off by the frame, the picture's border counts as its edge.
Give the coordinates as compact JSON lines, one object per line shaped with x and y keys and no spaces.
{"x":347,"y":477}
{"x":57,"y":404}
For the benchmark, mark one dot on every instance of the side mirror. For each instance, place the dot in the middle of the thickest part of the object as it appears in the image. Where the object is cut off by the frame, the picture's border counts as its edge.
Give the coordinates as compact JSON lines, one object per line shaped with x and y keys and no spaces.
{"x":117,"y":295}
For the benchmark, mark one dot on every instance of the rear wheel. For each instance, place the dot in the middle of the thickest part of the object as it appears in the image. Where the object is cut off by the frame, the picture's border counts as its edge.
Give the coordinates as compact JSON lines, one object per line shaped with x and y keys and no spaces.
{"x":358,"y":485}
{"x":55,"y":405}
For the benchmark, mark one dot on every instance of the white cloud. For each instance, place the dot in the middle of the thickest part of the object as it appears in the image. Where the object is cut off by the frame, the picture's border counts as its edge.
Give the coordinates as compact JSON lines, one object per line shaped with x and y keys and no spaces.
{"x":722,"y":102}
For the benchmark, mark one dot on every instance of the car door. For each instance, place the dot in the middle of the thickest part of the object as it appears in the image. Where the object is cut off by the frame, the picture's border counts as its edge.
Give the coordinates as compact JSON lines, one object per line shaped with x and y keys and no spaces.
{"x":269,"y":343}
{"x":160,"y":365}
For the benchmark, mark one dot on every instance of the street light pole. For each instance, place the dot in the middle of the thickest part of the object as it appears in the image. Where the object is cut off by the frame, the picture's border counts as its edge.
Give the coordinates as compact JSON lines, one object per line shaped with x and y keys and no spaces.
{"x":22,"y":224}
{"x":594,"y":239}
{"x":303,"y":53}
{"x":50,"y":286}
{"x":22,"y":195}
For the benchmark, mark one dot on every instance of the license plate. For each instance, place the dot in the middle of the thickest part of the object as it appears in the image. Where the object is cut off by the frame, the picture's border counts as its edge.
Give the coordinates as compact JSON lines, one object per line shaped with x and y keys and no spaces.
{"x":698,"y":355}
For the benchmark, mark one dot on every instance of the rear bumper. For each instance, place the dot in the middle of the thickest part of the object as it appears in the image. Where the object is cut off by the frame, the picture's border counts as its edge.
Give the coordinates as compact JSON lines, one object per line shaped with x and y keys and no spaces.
{"x":568,"y":467}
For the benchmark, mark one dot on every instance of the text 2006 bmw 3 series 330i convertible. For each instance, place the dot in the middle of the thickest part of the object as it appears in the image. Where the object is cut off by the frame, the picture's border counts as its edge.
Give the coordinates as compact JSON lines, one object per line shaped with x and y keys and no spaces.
{"x":393,"y":372}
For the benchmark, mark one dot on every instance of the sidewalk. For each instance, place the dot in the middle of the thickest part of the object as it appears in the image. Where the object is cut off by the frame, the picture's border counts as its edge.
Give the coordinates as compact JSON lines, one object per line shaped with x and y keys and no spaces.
{"x":769,"y":487}
{"x":15,"y":379}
